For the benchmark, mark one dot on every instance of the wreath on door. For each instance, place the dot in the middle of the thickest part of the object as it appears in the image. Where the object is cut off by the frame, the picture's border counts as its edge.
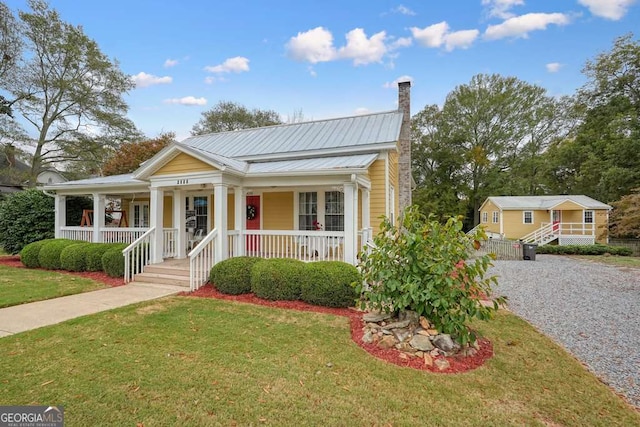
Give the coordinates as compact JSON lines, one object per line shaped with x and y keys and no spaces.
{"x":251,"y":212}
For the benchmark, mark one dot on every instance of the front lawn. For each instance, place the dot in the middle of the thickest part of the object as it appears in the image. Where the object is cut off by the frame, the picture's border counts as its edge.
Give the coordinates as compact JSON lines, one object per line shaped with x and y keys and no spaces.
{"x":22,"y":285}
{"x":190,"y":361}
{"x":620,"y":261}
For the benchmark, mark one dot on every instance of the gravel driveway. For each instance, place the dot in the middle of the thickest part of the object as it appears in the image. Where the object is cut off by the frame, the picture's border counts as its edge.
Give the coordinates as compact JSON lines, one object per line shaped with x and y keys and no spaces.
{"x":592,"y":309}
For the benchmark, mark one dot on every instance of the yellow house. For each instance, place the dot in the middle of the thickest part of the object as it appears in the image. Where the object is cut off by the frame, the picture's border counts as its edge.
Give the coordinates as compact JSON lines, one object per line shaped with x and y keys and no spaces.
{"x":566,"y":220}
{"x":312,"y":190}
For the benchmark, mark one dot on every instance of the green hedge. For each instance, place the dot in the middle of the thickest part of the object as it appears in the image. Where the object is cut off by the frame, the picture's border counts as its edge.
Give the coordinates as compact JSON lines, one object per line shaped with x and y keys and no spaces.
{"x":277,"y":279}
{"x":584,"y":250}
{"x":29,"y":254}
{"x":113,"y":260}
{"x":328,"y":283}
{"x":93,"y":255}
{"x":73,"y":257}
{"x":233,"y":276}
{"x":49,"y":256}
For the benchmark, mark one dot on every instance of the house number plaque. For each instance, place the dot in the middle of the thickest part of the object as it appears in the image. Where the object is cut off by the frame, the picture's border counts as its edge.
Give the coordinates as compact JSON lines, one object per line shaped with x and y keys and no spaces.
{"x":182,"y":181}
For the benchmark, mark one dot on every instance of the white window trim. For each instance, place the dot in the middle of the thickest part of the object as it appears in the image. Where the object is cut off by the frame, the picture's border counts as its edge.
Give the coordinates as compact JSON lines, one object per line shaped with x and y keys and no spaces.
{"x":495,"y":217}
{"x":593,"y":216}
{"x":321,"y":205}
{"x":132,"y":216}
{"x":524,"y":216}
{"x":485,"y":217}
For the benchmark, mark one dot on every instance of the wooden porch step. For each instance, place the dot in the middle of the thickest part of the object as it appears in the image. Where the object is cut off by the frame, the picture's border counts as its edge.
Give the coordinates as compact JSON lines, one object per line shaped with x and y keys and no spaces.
{"x":162,"y":278}
{"x":164,"y":268}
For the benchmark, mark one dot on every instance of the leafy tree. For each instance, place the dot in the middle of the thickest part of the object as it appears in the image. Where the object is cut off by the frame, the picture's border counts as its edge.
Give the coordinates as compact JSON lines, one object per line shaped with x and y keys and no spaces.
{"x":419,"y":266}
{"x":624,"y":221}
{"x":603,"y":159}
{"x":229,"y":116}
{"x":25,"y":217}
{"x":484,"y":141}
{"x":129,"y":155}
{"x":72,"y":92}
{"x":10,"y":51}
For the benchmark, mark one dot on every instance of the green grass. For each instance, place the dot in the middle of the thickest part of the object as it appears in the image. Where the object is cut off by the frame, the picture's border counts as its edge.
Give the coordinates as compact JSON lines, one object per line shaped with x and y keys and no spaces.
{"x":188,"y":361}
{"x":620,"y":261}
{"x":22,"y":285}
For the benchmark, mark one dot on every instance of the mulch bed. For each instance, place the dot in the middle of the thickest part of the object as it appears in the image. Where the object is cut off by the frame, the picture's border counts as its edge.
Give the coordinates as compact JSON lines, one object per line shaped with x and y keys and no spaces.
{"x":457,"y":364}
{"x":98,"y":276}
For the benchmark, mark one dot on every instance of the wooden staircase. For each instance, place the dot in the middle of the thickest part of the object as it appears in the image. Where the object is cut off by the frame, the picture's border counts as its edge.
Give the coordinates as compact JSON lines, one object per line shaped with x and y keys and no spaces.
{"x":170,"y":272}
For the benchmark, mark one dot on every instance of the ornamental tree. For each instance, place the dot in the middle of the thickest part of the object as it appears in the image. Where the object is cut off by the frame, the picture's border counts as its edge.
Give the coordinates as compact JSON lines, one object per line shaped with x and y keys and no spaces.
{"x":424,"y":266}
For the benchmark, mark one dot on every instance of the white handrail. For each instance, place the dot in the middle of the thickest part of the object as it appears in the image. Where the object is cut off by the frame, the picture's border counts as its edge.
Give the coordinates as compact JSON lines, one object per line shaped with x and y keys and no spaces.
{"x":201,"y":260}
{"x":540,"y":234}
{"x":137,"y":255}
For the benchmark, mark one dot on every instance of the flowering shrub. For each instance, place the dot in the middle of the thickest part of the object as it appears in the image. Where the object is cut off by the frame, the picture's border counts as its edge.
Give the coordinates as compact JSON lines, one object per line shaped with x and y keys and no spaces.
{"x":423,"y":266}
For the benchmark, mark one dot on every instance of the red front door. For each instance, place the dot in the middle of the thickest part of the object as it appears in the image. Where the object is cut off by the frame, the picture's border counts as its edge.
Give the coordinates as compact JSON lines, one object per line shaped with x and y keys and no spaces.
{"x":253,"y":223}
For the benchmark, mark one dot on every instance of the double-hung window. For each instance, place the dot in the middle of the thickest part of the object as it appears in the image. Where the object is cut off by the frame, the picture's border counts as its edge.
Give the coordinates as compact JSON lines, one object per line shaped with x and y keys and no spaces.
{"x":334,"y":211}
{"x":485,"y":217}
{"x":496,"y":217}
{"x":321,"y":210}
{"x":588,"y":217}
{"x":308,"y":210}
{"x":527,"y":217}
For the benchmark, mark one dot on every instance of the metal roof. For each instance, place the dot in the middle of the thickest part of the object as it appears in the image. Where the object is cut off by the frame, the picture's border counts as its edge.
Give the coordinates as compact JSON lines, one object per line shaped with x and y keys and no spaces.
{"x":544,"y":202}
{"x":318,"y":164}
{"x":356,"y":131}
{"x":101,"y":180}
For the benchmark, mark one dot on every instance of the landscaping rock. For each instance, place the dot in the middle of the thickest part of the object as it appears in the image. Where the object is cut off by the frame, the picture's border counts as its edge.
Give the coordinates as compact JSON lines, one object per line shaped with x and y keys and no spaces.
{"x":376,"y":316}
{"x":424,"y":323}
{"x":421,"y":342}
{"x":444,"y":342}
{"x":428,"y":360}
{"x":397,"y":325}
{"x":387,"y":342}
{"x":367,"y":338}
{"x":401,"y":334}
{"x":432,"y":332}
{"x":410,"y":316}
{"x":442,"y":364}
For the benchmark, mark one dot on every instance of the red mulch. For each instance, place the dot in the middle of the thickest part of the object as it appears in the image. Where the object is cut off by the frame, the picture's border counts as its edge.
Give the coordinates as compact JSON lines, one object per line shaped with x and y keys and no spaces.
{"x":98,"y":276}
{"x":457,"y":364}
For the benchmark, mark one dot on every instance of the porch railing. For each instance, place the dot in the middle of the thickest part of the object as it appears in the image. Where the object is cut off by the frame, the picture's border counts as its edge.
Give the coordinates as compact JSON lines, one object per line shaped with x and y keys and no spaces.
{"x":201,"y":259}
{"x":121,"y":234}
{"x":77,"y":233}
{"x":137,"y":255}
{"x":169,"y":236}
{"x":298,"y":244}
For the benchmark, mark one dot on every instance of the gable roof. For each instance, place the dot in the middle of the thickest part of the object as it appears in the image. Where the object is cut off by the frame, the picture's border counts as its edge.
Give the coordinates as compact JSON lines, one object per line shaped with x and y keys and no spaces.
{"x":544,"y":202}
{"x":332,"y":136}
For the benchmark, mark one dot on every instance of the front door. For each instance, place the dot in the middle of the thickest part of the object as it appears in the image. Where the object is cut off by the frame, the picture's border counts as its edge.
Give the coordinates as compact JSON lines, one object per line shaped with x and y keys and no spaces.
{"x":253,"y":223}
{"x":557,"y":219}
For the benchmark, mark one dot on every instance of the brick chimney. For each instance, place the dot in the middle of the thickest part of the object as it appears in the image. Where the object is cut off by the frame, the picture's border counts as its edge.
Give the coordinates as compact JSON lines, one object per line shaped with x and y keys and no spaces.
{"x":404,"y":145}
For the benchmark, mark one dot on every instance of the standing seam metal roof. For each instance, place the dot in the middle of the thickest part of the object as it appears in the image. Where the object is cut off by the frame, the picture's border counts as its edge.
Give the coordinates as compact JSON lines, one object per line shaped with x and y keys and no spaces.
{"x":353,"y":131}
{"x":544,"y":202}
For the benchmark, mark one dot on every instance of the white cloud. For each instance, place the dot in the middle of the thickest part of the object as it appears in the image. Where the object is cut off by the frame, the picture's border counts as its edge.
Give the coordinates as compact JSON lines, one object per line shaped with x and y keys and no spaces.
{"x":187,"y":100}
{"x":553,"y":67}
{"x":170,"y":63}
{"x":143,"y":79}
{"x":394,"y":84}
{"x":361,"y":110}
{"x":438,"y":35}
{"x":312,"y":72}
{"x":363,"y":50}
{"x":213,"y":79}
{"x":403,"y":10}
{"x":313,"y":46}
{"x":610,"y":9}
{"x":400,"y":42}
{"x":237,"y":64}
{"x":520,"y":26}
{"x":431,"y":36}
{"x":501,"y":8}
{"x":460,"y":39}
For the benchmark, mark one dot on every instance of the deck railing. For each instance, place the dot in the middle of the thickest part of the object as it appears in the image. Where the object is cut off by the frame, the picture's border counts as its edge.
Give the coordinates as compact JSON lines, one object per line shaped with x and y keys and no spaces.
{"x":77,"y":233}
{"x":137,"y":255}
{"x":201,"y":260}
{"x":121,"y":234}
{"x":169,"y":236}
{"x":298,"y":244}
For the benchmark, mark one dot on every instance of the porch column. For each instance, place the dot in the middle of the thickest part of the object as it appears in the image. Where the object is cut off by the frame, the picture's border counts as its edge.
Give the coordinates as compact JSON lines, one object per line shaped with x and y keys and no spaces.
{"x":220,"y":220}
{"x":240,"y":220}
{"x":99,"y":201}
{"x":155,"y":220}
{"x":350,"y":222}
{"x":60,"y":215}
{"x":178,"y":223}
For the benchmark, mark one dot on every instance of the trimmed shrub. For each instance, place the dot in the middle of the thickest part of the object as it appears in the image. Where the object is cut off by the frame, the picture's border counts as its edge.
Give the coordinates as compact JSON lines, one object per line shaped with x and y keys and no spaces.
{"x":93,"y":255}
{"x":49,"y":256}
{"x":233,"y":276}
{"x":597,"y":249}
{"x":113,"y":261}
{"x":277,"y":279}
{"x":329,"y":283}
{"x":29,"y":254}
{"x":73,"y":257}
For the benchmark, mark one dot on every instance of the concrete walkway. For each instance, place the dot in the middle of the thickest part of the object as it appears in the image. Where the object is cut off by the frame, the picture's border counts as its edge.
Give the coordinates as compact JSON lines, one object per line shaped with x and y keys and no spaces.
{"x":25,"y":317}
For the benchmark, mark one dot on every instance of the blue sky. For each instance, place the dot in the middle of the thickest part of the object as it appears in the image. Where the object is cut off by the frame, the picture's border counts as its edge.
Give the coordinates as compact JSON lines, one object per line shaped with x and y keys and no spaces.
{"x":336,"y":58}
